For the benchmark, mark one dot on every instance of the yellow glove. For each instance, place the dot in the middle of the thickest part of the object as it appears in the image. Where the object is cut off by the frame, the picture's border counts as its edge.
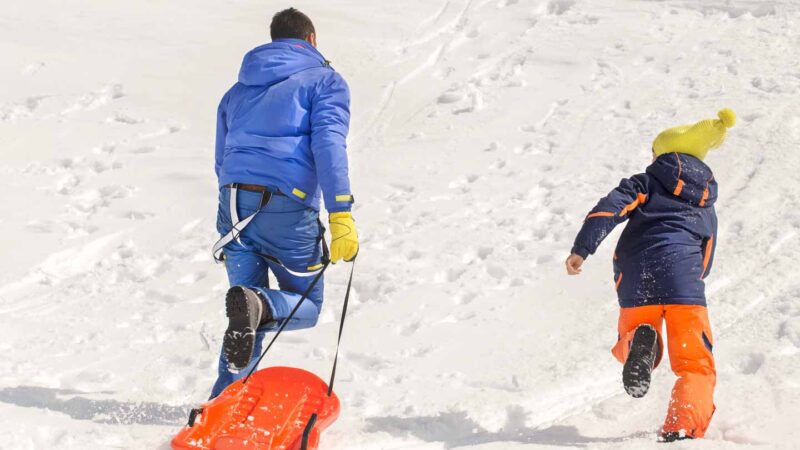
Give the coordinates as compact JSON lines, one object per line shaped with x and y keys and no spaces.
{"x":344,"y":239}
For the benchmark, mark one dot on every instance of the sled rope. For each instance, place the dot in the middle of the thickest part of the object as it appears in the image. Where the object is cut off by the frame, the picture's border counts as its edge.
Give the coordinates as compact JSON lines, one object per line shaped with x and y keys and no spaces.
{"x":289,"y":318}
{"x":341,"y":327}
{"x":286,"y":321}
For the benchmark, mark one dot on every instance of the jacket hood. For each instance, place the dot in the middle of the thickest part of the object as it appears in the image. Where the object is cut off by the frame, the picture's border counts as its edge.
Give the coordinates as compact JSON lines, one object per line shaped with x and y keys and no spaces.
{"x":274,"y":62}
{"x":686,"y":177}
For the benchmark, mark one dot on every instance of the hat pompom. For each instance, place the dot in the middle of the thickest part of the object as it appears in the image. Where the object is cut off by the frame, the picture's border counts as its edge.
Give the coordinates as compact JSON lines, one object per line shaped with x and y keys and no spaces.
{"x":728,"y":117}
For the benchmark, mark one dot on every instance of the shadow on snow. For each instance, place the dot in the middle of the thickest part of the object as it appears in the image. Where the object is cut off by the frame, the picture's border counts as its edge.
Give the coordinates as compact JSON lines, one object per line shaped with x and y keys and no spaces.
{"x":102,"y":411}
{"x":456,"y":429}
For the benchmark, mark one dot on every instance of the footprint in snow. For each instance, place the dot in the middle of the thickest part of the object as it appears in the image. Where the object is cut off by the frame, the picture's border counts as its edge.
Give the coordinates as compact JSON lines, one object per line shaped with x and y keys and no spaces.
{"x":400,"y":192}
{"x":454,"y":95}
{"x":477,"y":254}
{"x":41,"y":226}
{"x":497,"y":165}
{"x":496,"y":271}
{"x":413,"y":255}
{"x":105,"y":149}
{"x":409,"y":329}
{"x":191,"y":278}
{"x":144,"y":149}
{"x":165,"y":130}
{"x":506,"y":3}
{"x":751,"y":363}
{"x":135,"y":215}
{"x":21,"y":110}
{"x":90,"y":201}
{"x":464,"y":298}
{"x":369,"y":362}
{"x":98,"y":167}
{"x":419,"y":352}
{"x":32,"y":69}
{"x":67,"y":184}
{"x":463,"y":182}
{"x":559,"y":7}
{"x":450,"y":275}
{"x":96,"y":99}
{"x":122,"y":118}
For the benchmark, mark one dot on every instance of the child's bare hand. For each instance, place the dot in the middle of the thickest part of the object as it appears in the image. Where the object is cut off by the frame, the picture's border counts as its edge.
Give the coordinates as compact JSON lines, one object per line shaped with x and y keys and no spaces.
{"x":574,"y":263}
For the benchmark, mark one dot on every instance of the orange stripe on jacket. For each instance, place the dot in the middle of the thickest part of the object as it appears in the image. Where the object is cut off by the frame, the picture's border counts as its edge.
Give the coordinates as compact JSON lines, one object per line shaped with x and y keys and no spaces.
{"x":706,"y":193}
{"x":640,"y":200}
{"x":705,"y":197}
{"x":619,"y":281}
{"x":679,"y":187}
{"x":707,"y":256}
{"x":600,"y":214}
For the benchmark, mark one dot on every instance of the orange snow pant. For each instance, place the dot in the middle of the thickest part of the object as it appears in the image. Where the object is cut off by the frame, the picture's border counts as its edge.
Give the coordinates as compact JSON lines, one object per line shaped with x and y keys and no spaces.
{"x":689,"y":343}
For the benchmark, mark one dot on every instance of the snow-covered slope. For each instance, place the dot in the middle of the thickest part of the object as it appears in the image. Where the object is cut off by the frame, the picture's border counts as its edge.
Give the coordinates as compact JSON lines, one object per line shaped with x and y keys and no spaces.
{"x":483,"y":130}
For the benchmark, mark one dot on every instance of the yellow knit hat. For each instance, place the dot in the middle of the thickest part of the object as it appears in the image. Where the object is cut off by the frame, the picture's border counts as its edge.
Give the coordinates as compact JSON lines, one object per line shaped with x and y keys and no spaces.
{"x":698,"y":139}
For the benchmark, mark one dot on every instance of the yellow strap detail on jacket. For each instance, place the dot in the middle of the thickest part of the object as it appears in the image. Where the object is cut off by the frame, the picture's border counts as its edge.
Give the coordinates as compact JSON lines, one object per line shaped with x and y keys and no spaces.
{"x":344,"y":198}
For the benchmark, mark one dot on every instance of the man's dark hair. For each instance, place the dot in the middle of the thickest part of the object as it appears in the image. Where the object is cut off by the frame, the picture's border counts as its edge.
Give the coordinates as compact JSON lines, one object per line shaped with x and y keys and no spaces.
{"x":290,"y":24}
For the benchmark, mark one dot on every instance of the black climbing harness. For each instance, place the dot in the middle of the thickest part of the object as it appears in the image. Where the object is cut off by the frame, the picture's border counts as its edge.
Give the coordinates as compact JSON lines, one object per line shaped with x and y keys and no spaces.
{"x":239,"y":225}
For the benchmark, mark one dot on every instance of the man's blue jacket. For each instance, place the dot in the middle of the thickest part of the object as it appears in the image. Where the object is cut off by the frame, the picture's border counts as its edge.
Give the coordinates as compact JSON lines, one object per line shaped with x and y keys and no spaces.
{"x":285,"y":123}
{"x":667,"y":248}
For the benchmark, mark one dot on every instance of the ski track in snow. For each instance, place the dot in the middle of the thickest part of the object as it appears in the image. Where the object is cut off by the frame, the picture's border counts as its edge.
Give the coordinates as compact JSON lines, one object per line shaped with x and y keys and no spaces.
{"x":483,"y":130}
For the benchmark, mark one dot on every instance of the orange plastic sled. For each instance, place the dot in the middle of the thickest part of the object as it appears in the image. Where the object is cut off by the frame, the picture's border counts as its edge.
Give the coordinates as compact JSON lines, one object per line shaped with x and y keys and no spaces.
{"x":278,"y":408}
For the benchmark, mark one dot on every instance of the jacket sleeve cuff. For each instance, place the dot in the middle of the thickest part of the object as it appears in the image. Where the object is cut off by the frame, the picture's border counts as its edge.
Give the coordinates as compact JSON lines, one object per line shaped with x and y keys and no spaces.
{"x":340,"y":203}
{"x":583,"y":252}
{"x":336,"y":209}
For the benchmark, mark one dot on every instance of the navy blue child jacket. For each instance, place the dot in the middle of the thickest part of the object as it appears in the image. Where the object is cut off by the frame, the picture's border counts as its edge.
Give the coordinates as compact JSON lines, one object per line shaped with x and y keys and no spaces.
{"x":667,"y":247}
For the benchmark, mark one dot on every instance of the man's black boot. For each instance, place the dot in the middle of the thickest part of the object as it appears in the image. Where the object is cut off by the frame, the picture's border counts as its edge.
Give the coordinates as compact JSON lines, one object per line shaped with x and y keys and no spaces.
{"x":246,"y":311}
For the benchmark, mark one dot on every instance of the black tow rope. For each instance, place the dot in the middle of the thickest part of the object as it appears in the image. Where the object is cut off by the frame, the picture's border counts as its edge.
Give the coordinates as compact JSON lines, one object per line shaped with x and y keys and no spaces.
{"x":341,"y":327}
{"x":286,"y":321}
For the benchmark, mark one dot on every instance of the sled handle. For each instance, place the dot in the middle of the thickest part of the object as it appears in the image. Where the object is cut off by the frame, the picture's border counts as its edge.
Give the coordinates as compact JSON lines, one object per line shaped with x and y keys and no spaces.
{"x":307,"y":432}
{"x":193,"y":416}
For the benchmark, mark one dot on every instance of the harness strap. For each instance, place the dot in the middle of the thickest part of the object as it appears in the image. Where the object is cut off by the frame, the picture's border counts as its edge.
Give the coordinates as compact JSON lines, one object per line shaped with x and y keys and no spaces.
{"x":240,"y":225}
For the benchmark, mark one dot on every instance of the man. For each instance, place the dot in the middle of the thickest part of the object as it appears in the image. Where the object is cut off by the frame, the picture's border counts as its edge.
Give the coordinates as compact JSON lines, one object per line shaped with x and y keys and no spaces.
{"x":281,"y":145}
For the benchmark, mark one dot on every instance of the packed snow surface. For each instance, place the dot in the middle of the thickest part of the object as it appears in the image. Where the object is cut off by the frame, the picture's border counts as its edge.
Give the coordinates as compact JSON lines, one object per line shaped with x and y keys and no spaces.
{"x":483,"y":131}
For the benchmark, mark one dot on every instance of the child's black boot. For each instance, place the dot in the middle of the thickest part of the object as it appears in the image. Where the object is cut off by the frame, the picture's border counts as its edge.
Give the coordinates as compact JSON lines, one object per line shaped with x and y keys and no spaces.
{"x":641,"y":359}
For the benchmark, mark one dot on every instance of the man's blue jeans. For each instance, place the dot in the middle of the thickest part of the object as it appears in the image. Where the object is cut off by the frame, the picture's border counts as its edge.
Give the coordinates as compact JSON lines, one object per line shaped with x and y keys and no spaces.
{"x":286,"y":230}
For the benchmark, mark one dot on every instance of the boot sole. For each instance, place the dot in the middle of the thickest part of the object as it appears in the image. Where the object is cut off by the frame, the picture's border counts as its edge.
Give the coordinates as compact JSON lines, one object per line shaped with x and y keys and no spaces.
{"x":673,"y":436}
{"x":239,"y":341}
{"x":638,"y":368}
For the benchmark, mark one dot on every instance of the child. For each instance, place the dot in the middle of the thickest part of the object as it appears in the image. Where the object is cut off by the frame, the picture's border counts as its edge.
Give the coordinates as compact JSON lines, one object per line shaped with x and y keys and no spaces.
{"x":661,"y":260}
